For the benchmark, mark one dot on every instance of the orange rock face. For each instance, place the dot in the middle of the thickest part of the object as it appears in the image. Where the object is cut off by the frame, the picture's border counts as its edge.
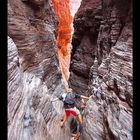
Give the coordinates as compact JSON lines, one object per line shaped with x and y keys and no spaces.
{"x":65,"y":10}
{"x":62,"y":9}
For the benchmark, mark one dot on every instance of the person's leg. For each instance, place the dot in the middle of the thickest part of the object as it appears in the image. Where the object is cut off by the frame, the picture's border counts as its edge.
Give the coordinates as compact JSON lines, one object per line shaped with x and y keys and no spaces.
{"x":80,"y":125}
{"x":77,"y":114}
{"x":65,"y":118}
{"x":80,"y":119}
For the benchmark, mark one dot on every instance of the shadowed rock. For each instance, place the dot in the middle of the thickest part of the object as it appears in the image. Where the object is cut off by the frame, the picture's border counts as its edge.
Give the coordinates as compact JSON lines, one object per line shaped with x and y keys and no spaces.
{"x":104,"y":29}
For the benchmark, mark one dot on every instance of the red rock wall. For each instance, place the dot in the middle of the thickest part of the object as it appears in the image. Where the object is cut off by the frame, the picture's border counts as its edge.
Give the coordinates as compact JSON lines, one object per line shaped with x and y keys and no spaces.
{"x":62,"y":9}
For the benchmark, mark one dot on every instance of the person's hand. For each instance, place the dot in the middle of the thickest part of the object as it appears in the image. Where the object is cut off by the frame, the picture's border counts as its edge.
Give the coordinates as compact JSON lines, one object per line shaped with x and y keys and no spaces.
{"x":91,"y":97}
{"x":84,"y":104}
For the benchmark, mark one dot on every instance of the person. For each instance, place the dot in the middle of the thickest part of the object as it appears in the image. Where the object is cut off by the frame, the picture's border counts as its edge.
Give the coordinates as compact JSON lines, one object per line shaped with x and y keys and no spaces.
{"x":69,"y":100}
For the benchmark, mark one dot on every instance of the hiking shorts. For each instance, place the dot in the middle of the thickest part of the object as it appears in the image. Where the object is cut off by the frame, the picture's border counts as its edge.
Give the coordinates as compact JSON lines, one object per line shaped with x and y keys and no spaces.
{"x":74,"y":111}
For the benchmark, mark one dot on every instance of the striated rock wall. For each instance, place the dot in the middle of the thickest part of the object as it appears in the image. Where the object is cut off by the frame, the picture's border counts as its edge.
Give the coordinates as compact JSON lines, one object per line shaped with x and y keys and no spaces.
{"x":34,"y":76}
{"x":101,"y":65}
{"x":98,"y":26}
{"x":84,"y":43}
{"x":33,"y":31}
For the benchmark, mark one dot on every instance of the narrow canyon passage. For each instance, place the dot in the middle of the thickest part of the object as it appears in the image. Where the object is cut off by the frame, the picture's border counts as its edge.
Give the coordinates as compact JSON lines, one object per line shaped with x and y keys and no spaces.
{"x":82,"y":44}
{"x":65,"y":11}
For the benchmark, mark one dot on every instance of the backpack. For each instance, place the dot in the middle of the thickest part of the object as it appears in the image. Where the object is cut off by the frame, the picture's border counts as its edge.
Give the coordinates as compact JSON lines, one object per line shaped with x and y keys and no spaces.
{"x":69,"y":100}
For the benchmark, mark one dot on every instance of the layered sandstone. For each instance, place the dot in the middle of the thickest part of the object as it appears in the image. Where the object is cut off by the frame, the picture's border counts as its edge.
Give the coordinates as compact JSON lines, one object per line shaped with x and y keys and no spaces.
{"x":101,"y":65}
{"x":34,"y":76}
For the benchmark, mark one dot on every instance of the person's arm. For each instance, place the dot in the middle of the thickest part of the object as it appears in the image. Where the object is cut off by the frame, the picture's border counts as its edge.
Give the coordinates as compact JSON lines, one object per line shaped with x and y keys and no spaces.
{"x":60,"y":98}
{"x":84,"y":97}
{"x":81,"y":96}
{"x":83,"y":101}
{"x":54,"y":100}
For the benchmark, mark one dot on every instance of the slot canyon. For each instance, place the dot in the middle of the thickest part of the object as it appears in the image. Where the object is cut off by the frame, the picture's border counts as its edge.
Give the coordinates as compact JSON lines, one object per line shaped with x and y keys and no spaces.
{"x":86,"y":45}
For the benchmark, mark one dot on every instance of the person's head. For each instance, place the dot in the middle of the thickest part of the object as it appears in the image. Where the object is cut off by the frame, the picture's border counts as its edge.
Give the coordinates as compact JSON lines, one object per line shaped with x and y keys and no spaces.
{"x":69,"y":90}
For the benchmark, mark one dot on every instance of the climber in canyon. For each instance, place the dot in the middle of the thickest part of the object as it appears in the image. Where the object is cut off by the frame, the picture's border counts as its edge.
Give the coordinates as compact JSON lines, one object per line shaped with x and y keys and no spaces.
{"x":69,"y":102}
